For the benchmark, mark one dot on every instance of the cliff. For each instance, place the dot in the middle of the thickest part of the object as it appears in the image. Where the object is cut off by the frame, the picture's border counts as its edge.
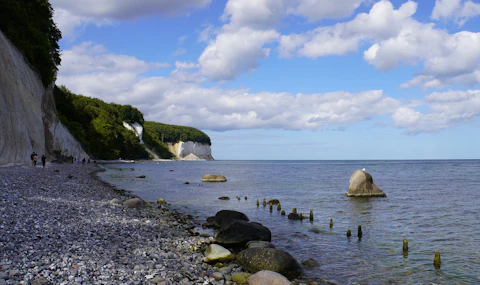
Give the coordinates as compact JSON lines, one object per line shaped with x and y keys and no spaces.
{"x":191,"y":150}
{"x":28,"y":117}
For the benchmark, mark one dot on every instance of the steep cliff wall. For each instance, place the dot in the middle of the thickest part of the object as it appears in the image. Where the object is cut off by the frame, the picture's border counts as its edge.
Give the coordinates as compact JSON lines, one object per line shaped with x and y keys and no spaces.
{"x":191,"y":150}
{"x":28,"y":118}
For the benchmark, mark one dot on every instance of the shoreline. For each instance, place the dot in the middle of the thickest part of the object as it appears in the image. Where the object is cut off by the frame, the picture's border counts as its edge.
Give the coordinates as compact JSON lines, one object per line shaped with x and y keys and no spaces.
{"x":60,"y":226}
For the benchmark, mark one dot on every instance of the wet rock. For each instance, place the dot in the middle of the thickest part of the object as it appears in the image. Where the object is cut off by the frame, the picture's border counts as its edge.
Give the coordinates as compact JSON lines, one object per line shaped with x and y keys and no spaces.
{"x":361,"y":185}
{"x":217,"y":252}
{"x":224,"y":217}
{"x":213,"y":178}
{"x":277,"y":260}
{"x":238,"y":233}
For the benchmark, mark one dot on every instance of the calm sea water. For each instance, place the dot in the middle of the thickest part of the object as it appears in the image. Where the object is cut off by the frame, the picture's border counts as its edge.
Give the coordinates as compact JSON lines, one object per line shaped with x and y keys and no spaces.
{"x":433,"y":204}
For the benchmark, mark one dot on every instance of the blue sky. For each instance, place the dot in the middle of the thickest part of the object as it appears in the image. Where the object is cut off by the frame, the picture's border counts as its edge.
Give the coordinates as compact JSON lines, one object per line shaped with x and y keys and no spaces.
{"x":287,"y":79}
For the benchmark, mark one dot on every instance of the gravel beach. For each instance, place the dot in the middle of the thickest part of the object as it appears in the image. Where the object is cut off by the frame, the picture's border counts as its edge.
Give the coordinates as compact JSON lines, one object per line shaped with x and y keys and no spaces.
{"x":58,"y":225}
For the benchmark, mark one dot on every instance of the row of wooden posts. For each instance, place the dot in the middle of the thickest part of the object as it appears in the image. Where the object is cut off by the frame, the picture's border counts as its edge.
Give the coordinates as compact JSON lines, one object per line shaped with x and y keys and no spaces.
{"x":436,"y":259}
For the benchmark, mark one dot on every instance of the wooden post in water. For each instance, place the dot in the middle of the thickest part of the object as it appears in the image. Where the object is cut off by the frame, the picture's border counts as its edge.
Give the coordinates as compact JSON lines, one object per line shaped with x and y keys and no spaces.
{"x":258,"y":203}
{"x":271,"y":207}
{"x":436,"y":260}
{"x":283,"y":213}
{"x":405,"y":245}
{"x":349,"y":233}
{"x":264,"y":202}
{"x":294,"y":211}
{"x":360,"y":234}
{"x":331,"y":223}
{"x":246,"y":197}
{"x":279,"y":207}
{"x":311,"y":215}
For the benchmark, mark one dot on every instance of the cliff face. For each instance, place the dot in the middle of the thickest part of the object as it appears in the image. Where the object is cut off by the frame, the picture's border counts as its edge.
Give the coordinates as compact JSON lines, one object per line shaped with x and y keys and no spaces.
{"x":28,"y":117}
{"x":191,"y":150}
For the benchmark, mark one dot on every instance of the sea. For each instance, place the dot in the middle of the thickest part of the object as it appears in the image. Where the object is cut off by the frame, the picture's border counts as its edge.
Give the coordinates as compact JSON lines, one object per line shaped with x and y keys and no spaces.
{"x":433,"y":204}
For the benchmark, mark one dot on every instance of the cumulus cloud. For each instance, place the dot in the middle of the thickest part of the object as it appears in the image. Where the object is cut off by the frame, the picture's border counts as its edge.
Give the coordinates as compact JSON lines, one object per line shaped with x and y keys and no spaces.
{"x":240,"y":43}
{"x":457,"y":10}
{"x":179,"y":98}
{"x":445,"y":110}
{"x":382,"y":22}
{"x":71,"y":14}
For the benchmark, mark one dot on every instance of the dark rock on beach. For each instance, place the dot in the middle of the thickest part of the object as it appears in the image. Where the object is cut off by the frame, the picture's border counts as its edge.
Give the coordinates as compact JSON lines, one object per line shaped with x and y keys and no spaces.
{"x":224,"y":217}
{"x":277,"y":260}
{"x":239,"y":232}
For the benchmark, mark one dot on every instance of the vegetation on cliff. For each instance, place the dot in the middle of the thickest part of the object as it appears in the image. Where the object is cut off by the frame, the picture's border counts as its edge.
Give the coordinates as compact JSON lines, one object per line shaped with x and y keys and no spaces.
{"x":98,"y":126}
{"x":29,"y":26}
{"x":173,"y":134}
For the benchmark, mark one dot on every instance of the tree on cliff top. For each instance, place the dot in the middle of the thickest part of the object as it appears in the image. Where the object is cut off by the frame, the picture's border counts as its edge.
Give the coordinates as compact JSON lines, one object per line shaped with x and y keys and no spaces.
{"x":28,"y":24}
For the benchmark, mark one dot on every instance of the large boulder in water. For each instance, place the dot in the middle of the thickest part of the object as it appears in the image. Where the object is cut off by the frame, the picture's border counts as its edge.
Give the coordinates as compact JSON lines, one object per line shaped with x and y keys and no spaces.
{"x":238,"y":233}
{"x":277,"y":260}
{"x":213,"y":178}
{"x":361,"y":185}
{"x":225,"y":217}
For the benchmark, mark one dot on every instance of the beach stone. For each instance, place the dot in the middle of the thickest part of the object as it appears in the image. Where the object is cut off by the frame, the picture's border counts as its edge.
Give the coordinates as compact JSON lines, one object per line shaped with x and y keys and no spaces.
{"x":264,"y":277}
{"x":295,"y":216}
{"x":115,"y":201}
{"x":239,"y":232}
{"x":241,"y":277}
{"x":223,"y":198}
{"x":277,"y":260}
{"x":217,"y":252}
{"x":134,"y":203}
{"x":39,"y":280}
{"x":259,"y":243}
{"x":361,"y":185}
{"x":224,"y":217}
{"x":213,"y":178}
{"x":217,"y":275}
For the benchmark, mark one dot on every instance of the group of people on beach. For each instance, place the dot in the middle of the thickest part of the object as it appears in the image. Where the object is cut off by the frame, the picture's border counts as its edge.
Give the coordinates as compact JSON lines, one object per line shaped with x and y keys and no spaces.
{"x":34,"y":158}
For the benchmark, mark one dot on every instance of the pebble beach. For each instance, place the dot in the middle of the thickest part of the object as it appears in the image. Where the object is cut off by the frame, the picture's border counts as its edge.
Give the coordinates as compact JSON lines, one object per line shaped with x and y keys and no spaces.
{"x":61,"y":225}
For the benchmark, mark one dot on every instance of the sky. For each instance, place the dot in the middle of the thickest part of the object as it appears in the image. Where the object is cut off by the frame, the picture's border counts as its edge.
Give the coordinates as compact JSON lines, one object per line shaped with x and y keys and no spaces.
{"x":287,"y":79}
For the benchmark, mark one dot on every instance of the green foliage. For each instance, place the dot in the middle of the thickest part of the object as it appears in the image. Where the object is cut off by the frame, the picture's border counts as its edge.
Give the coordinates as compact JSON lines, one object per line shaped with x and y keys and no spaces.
{"x":98,"y":126}
{"x":157,"y":146}
{"x":29,"y":26}
{"x":131,"y":115}
{"x":172,"y":134}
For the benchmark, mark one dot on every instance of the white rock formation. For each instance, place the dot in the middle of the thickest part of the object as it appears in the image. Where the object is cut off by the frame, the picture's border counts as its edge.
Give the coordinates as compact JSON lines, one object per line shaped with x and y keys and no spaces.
{"x":28,"y":117}
{"x":191,"y":150}
{"x":137,"y":128}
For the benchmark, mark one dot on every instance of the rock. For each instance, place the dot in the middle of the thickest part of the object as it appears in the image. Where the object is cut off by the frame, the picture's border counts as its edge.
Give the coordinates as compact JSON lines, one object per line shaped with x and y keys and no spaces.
{"x":213,"y":178}
{"x":217,"y":275}
{"x":241,"y":278}
{"x":134,"y":203}
{"x":259,"y":243}
{"x":217,"y":252}
{"x":224,"y":217}
{"x":257,"y":259}
{"x":238,"y":233}
{"x":115,"y":201}
{"x":223,"y":198}
{"x":268,"y":277}
{"x":141,"y":176}
{"x":39,"y":280}
{"x":310,"y":263}
{"x":161,"y":201}
{"x":361,"y":185}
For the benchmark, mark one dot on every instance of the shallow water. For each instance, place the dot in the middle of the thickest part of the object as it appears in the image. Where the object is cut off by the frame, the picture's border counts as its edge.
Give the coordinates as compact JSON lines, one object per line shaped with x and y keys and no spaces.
{"x":433,"y":204}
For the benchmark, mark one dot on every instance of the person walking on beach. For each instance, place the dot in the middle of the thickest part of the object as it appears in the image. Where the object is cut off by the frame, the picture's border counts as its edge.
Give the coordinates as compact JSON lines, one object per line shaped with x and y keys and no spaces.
{"x":35,"y":158}
{"x":31,"y":157}
{"x":44,"y":160}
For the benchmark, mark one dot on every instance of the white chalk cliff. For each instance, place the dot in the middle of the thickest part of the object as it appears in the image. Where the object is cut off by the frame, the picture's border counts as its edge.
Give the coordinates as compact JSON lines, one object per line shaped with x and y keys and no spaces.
{"x":182,"y":150}
{"x":191,"y":150}
{"x":28,"y":116}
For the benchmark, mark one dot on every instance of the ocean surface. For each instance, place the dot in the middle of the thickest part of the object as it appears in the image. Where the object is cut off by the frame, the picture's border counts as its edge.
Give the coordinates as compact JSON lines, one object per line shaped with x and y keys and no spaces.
{"x":434,"y":204}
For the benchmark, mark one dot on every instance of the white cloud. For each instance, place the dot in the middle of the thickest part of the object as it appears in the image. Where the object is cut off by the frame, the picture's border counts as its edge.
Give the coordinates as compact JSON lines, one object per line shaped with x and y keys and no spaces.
{"x":71,"y":14}
{"x":232,"y":53}
{"x":382,"y":22}
{"x":259,"y":14}
{"x":445,"y":110}
{"x":179,"y":51}
{"x":93,"y":71}
{"x":315,"y":10}
{"x":457,"y":10}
